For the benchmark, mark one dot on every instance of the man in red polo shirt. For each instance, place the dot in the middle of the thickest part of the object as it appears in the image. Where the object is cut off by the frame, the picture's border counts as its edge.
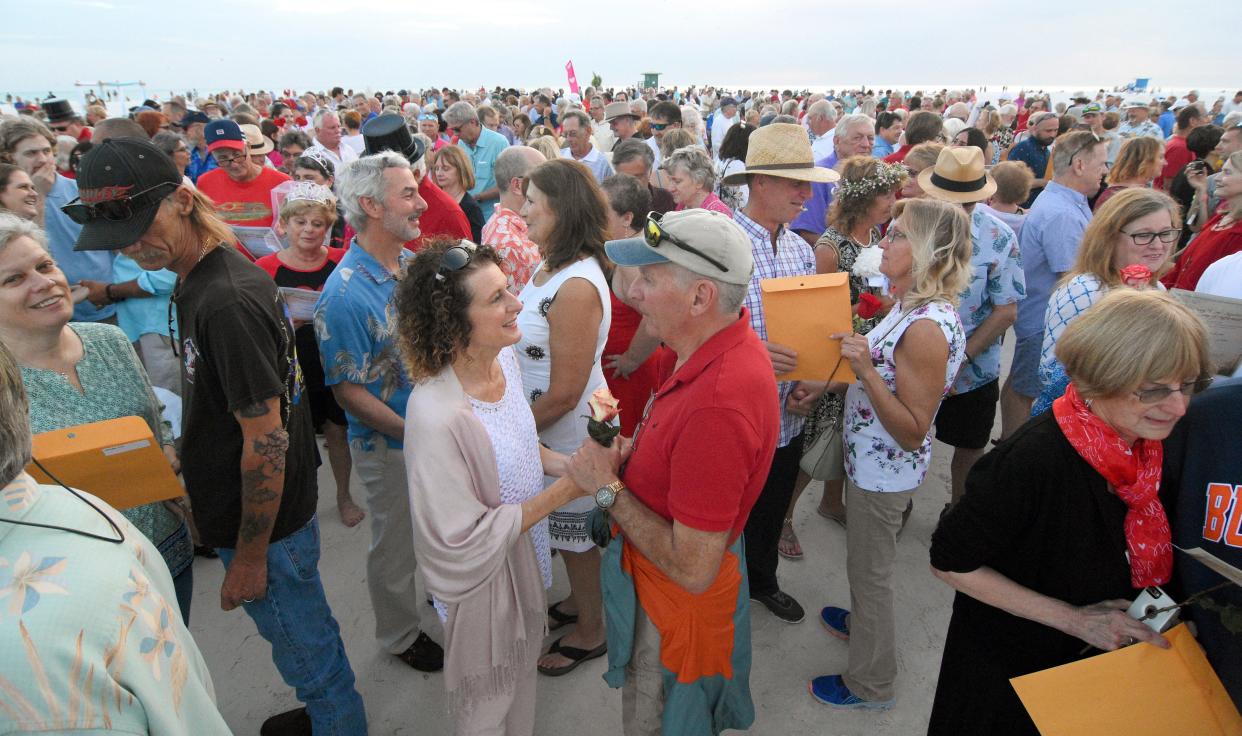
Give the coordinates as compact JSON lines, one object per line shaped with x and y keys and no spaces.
{"x":679,"y":496}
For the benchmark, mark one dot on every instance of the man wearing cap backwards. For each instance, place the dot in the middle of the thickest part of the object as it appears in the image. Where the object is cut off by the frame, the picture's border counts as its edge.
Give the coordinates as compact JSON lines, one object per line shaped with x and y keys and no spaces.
{"x":248,"y":457}
{"x":354,"y":327}
{"x":987,"y":308}
{"x":1049,"y":244}
{"x":29,"y":145}
{"x":679,"y":495}
{"x":241,"y":189}
{"x":779,"y":171}
{"x":1137,"y":121}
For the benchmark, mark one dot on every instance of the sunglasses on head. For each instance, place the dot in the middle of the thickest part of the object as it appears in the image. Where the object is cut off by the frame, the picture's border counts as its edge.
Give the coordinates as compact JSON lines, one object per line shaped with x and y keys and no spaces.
{"x":454,"y":259}
{"x":654,"y":234}
{"x":113,"y":210}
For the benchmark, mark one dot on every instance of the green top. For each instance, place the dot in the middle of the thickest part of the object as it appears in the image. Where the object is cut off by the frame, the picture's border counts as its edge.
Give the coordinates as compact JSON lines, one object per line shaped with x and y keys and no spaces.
{"x":114,"y":385}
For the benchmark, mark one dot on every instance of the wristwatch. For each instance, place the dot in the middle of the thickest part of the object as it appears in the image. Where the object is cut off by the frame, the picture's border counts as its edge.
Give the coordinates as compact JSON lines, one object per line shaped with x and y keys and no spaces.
{"x":606,"y":496}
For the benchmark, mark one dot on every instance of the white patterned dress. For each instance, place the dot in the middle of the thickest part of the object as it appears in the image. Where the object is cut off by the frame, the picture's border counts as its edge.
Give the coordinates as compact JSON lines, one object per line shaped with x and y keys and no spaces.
{"x":874,"y":461}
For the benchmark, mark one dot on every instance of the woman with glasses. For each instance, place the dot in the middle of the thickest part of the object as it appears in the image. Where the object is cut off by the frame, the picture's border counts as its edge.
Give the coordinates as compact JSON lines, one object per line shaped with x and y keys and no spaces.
{"x":1138,"y":227}
{"x":1063,"y":524}
{"x":454,"y":174}
{"x":292,"y":144}
{"x":1221,"y":236}
{"x":176,"y":146}
{"x":565,"y":320}
{"x":82,"y":372}
{"x":904,"y":366}
{"x":476,"y":481}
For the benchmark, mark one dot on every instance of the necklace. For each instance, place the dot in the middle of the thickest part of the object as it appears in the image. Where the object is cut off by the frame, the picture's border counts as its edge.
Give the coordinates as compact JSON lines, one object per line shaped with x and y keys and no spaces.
{"x":202,"y":253}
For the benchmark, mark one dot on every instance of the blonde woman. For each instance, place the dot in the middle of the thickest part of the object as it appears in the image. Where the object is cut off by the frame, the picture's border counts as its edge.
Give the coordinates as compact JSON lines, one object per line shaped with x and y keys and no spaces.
{"x":454,"y":174}
{"x":920,"y":157}
{"x":905,"y":366}
{"x":1136,"y":227}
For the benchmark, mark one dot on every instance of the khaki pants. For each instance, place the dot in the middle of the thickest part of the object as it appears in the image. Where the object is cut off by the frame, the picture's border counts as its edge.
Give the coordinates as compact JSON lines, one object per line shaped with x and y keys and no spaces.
{"x":508,"y":715}
{"x":642,"y":696}
{"x":390,"y":561}
{"x":871,"y":545}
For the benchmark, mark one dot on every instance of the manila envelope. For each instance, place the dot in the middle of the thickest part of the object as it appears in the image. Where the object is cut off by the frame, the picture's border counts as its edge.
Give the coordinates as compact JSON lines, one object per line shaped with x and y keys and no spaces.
{"x":801,"y":312}
{"x":117,"y":460}
{"x":1141,"y":690}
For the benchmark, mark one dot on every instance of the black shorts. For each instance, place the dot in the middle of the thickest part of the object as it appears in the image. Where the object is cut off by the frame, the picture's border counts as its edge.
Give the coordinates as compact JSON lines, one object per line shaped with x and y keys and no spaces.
{"x":965,"y":420}
{"x":324,"y":408}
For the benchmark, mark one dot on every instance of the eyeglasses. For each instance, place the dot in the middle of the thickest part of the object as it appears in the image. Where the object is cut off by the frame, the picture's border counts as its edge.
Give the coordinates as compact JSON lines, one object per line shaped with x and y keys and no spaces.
{"x":893,"y":235}
{"x":230,"y":160}
{"x":660,"y":126}
{"x":1166,"y":236}
{"x":454,"y":259}
{"x":1187,"y":389}
{"x":113,"y":210}
{"x":60,"y":128}
{"x":654,"y":234}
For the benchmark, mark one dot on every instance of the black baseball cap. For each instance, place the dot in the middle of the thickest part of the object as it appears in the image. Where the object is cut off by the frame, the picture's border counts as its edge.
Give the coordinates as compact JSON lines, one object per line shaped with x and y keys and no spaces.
{"x":121,"y":183}
{"x":192,"y":117}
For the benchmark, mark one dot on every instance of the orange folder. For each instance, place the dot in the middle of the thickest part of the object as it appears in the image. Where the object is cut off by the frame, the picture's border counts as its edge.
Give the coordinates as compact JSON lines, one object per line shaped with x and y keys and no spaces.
{"x":118,"y":460}
{"x":1141,"y":690}
{"x":801,"y":312}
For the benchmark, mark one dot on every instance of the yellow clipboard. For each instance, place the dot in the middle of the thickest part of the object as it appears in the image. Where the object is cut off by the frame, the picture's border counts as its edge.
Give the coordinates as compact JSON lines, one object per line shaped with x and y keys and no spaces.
{"x":801,"y":312}
{"x":1138,"y":691}
{"x":118,"y":460}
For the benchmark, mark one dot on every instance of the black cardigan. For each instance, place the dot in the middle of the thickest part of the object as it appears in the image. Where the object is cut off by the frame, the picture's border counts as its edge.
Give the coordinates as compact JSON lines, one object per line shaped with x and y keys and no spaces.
{"x":1037,"y":513}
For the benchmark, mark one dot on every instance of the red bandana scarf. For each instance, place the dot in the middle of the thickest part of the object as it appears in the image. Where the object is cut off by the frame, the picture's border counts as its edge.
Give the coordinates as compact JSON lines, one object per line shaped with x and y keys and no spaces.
{"x":1134,"y":474}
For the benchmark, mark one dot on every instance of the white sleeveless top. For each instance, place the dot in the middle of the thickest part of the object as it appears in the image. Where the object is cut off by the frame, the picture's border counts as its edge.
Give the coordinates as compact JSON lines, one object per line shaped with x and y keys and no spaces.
{"x":535,"y":356}
{"x":873,"y":459}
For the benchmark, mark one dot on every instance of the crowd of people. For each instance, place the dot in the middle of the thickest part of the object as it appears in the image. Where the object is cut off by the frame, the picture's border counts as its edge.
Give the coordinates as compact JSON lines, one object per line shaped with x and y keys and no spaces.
{"x":455,"y":288}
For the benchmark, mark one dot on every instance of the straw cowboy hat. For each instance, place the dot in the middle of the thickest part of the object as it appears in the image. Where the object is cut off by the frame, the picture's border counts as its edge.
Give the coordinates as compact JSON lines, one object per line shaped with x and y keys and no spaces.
{"x":958,"y":176}
{"x":784,"y":150}
{"x":614,"y":110}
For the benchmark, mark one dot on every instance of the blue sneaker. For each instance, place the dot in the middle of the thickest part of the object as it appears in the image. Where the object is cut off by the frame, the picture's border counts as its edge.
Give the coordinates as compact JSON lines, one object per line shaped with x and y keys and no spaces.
{"x":831,"y":690}
{"x":836,"y":620}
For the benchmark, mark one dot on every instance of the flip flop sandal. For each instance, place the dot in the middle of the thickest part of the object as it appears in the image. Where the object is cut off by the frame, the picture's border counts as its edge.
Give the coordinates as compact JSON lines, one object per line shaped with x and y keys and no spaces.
{"x":575,"y":655}
{"x":832,"y":517}
{"x":558,"y":618}
{"x":790,"y":540}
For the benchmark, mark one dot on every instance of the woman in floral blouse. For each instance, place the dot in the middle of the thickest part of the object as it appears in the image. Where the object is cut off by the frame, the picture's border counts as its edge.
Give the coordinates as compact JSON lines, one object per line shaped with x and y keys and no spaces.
{"x":888,"y":425}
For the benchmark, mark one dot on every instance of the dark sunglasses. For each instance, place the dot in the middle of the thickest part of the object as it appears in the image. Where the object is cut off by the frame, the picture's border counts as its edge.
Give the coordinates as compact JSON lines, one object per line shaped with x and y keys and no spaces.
{"x":654,"y":234}
{"x":453,"y":260}
{"x":1187,"y":389}
{"x":659,"y":126}
{"x":113,"y":210}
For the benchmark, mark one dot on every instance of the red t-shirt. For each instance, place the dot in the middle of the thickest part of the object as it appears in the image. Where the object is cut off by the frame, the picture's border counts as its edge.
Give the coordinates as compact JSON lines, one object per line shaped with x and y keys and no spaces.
{"x":443,"y":217}
{"x":1208,"y":247}
{"x":248,"y":204}
{"x":703,"y":452}
{"x":1176,"y":155}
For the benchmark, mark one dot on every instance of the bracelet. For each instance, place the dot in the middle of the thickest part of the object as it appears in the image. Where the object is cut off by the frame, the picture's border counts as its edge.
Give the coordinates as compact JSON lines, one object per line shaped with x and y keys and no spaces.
{"x":112,"y":297}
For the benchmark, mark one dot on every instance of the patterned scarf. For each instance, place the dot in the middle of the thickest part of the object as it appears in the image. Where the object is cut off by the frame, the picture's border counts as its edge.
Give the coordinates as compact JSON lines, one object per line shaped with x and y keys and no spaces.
{"x":1134,"y":474}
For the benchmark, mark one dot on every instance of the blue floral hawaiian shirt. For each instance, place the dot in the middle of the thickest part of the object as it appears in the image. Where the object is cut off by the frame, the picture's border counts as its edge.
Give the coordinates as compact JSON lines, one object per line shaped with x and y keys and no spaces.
{"x":996,"y":279}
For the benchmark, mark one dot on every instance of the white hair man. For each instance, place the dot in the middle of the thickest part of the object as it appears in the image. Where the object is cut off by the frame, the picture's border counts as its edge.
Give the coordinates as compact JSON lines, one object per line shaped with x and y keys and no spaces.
{"x":482,"y":146}
{"x":328,"y":138}
{"x":821,"y":118}
{"x":854,"y":135}
{"x":683,"y":497}
{"x":380,"y":196}
{"x":576,"y":129}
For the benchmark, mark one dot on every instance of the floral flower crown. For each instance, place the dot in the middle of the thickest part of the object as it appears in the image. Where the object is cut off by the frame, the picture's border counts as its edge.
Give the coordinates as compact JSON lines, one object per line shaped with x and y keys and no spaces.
{"x":887,"y":176}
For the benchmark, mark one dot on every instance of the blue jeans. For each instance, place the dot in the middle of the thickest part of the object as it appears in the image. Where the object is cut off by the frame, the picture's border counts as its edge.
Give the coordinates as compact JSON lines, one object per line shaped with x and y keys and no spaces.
{"x":306,"y":642}
{"x":183,"y":587}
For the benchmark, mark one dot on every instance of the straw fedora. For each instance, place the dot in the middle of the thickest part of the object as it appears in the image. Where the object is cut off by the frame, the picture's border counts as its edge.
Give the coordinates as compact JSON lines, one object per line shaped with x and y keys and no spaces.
{"x":614,"y":110}
{"x":784,"y":150}
{"x":257,"y":143}
{"x":958,"y":176}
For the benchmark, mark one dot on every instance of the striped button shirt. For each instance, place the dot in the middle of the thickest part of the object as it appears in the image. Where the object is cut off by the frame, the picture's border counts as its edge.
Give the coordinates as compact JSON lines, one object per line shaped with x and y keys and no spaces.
{"x":792,"y":257}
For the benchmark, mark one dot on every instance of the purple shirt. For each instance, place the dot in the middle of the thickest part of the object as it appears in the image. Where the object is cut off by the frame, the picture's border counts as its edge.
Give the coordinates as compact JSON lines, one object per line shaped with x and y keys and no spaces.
{"x":814,"y":217}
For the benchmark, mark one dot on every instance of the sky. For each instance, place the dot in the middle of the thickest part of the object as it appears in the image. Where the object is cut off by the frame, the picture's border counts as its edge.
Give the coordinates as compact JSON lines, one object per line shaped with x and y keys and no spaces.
{"x":816,"y":44}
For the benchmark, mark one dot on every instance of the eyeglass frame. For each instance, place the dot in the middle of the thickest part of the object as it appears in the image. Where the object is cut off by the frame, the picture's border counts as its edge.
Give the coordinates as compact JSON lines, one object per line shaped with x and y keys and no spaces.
{"x":231,"y":160}
{"x":1176,"y":233}
{"x":1188,"y":389}
{"x":653,"y":240}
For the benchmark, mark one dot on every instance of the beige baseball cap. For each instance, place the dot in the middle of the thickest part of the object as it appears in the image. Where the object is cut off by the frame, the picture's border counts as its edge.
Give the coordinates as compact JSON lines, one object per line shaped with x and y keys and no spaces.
{"x":708,"y":243}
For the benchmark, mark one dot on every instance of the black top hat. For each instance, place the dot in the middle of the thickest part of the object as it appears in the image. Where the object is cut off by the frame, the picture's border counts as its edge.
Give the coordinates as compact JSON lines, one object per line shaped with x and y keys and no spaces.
{"x":387,"y":132}
{"x":58,"y":111}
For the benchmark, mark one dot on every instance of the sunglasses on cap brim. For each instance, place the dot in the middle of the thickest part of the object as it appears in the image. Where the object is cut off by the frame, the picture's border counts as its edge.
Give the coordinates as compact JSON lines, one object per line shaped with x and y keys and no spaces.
{"x":654,"y":234}
{"x":114,"y":210}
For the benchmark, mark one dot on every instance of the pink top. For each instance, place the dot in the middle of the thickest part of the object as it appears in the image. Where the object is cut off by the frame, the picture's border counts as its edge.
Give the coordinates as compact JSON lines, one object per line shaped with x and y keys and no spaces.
{"x":519,"y":256}
{"x":713,"y":203}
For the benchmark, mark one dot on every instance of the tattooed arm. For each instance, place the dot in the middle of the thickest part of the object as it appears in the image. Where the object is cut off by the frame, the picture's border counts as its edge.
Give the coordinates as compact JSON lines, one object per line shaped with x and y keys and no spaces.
{"x":265,"y":443}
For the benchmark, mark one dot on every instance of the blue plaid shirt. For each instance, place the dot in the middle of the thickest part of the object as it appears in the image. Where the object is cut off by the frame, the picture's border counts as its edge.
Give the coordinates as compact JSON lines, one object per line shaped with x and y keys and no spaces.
{"x":792,"y":257}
